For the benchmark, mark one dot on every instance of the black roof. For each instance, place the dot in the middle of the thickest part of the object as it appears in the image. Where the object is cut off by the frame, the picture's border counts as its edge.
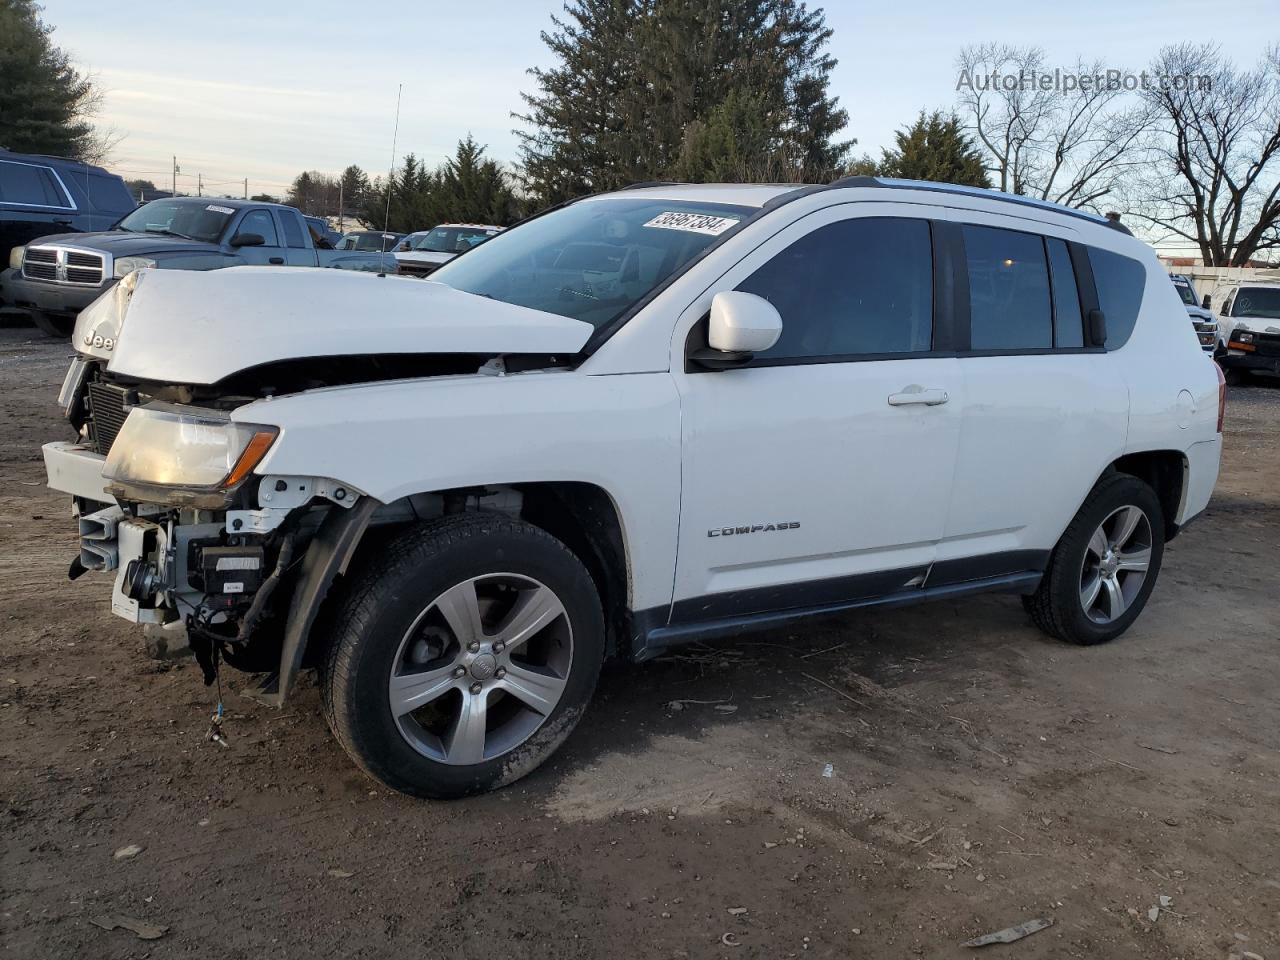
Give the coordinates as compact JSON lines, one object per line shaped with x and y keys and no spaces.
{"x":79,"y":165}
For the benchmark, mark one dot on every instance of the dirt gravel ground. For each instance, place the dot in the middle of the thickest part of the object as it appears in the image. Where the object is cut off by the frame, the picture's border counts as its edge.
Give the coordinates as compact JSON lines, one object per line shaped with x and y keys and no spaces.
{"x":980,"y":775}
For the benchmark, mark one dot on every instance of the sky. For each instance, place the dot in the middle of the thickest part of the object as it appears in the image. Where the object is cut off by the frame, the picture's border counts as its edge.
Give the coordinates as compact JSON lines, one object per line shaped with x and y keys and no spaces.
{"x":265,"y":90}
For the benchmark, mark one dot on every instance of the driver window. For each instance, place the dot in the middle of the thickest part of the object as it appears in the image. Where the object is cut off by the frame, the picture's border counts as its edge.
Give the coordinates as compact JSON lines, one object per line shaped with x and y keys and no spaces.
{"x":853,"y":288}
{"x":260,"y":222}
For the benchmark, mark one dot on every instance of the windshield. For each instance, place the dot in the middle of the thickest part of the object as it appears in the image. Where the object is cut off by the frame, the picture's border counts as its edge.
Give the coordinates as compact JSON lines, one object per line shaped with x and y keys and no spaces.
{"x":449,"y":239}
{"x":594,"y":259}
{"x":381,"y":242}
{"x":194,"y":219}
{"x":1187,"y":294}
{"x":1262,"y":302}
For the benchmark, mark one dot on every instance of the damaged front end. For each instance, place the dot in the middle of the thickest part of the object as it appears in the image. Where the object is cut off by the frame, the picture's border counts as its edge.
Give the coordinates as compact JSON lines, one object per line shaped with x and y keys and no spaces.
{"x":170,"y":469}
{"x":200,"y":545}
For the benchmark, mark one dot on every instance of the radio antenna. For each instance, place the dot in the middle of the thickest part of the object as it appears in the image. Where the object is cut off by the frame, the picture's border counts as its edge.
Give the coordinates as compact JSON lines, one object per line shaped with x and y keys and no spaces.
{"x":391,"y":171}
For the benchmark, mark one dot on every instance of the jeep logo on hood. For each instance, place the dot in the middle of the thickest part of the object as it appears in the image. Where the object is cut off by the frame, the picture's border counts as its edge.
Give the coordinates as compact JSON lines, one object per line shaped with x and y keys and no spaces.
{"x":98,"y":340}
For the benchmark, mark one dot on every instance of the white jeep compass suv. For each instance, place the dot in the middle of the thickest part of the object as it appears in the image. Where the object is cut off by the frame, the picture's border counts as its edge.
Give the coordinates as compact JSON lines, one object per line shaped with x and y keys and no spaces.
{"x":635,"y":420}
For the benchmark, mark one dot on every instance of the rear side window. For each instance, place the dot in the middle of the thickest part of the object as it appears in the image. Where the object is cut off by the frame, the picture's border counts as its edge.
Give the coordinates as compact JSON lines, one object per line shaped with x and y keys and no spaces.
{"x":851,"y":288}
{"x":1068,"y":325}
{"x":292,"y":232}
{"x":1009,"y":305}
{"x":106,"y":193}
{"x":31,"y":185}
{"x":1120,"y":281}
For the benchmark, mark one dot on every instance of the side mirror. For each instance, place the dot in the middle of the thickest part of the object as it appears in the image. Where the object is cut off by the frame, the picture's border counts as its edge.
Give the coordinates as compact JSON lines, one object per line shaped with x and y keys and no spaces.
{"x":1204,"y":302}
{"x":740,"y":325}
{"x":247,"y":240}
{"x":1097,"y":328}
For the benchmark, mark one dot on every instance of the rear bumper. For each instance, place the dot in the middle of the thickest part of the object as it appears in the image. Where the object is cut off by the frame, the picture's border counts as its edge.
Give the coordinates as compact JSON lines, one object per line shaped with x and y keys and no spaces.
{"x":1203,"y":460}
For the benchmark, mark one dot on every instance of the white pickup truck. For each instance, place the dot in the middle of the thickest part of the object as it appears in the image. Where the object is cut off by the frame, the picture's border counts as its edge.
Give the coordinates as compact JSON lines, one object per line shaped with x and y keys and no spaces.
{"x":639,"y":419}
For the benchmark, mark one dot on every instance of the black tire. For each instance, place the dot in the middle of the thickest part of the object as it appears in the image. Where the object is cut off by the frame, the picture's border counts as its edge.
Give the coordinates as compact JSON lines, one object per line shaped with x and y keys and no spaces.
{"x":388,"y":598}
{"x":1235,"y":377}
{"x":59,"y":327}
{"x":1056,"y":607}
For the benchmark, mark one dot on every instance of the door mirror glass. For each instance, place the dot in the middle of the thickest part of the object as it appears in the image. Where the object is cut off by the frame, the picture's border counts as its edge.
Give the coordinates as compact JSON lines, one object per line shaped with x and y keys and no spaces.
{"x":743,"y":323}
{"x":247,"y":240}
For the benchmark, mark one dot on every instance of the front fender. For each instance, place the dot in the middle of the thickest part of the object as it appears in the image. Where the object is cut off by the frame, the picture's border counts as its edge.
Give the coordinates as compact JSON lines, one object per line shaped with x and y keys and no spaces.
{"x":327,"y":556}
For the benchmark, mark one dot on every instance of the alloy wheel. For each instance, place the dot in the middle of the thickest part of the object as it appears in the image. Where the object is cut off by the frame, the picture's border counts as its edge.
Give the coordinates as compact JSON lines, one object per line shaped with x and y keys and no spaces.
{"x":481,"y":668}
{"x":1115,"y":565}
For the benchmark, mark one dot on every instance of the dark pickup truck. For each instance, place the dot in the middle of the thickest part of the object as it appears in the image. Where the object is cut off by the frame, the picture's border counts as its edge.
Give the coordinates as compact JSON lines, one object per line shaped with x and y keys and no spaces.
{"x":57,"y":276}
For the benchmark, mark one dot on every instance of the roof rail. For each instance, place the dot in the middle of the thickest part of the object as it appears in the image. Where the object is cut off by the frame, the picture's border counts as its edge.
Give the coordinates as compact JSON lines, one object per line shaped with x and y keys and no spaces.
{"x":981,"y":193}
{"x":640,"y":184}
{"x":861,"y":180}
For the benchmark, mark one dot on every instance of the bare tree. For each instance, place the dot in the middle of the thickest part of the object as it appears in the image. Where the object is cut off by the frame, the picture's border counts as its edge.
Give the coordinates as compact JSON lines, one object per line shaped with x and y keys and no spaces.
{"x":1070,"y":137}
{"x":1214,"y":178}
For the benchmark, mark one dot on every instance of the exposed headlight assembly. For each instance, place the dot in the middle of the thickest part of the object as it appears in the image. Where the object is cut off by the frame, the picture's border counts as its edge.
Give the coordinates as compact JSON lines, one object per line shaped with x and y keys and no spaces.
{"x":126,"y":265}
{"x":183,"y":456}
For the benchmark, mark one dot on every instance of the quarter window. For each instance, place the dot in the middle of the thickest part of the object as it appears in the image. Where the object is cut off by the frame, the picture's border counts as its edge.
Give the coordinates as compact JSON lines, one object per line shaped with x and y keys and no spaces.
{"x":1120,"y":281}
{"x":852,"y":288}
{"x":1009,"y":304}
{"x":259,"y":222}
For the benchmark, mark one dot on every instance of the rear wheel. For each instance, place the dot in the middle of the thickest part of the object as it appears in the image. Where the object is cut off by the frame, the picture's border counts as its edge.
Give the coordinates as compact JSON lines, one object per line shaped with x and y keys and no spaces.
{"x":53,"y":326}
{"x":464,"y":657}
{"x":1104,"y":568}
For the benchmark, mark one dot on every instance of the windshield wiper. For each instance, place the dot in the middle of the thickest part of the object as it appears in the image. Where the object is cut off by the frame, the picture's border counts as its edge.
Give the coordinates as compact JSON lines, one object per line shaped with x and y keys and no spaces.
{"x":171,"y":233}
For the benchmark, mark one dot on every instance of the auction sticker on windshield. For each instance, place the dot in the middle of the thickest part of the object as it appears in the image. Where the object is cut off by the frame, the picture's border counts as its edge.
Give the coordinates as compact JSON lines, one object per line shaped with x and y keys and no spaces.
{"x":693,"y":223}
{"x":217,"y":209}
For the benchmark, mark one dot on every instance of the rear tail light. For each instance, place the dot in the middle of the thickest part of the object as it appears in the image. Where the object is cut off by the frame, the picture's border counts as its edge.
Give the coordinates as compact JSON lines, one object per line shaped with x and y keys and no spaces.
{"x":1222,"y":395}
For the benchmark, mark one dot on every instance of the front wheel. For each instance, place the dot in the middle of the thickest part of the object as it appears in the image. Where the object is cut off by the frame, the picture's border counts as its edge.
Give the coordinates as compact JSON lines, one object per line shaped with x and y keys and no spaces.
{"x":1235,"y":377}
{"x":464,"y":656}
{"x":59,"y":327}
{"x":1103,"y":569}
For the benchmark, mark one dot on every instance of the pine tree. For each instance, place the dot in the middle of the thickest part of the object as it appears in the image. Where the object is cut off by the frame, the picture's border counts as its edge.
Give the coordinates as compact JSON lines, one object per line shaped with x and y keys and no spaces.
{"x":934,"y":147}
{"x":355,"y":183}
{"x":649,"y":89}
{"x":43,"y":100}
{"x":471,"y":188}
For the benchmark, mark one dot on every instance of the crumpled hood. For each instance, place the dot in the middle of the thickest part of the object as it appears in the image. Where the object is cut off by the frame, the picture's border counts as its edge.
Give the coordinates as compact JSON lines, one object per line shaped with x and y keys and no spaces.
{"x":199,"y":327}
{"x":1199,"y":313}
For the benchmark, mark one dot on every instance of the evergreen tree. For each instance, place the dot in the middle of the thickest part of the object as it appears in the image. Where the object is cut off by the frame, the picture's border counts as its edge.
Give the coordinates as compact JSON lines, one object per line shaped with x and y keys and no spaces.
{"x":471,"y":188}
{"x":355,"y":183}
{"x":934,"y":147}
{"x":44,"y":101}
{"x":466,"y":188}
{"x":650,"y":89}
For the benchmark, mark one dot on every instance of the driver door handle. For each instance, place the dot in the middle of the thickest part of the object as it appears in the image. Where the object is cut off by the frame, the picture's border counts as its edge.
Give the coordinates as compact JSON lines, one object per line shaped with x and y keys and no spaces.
{"x":275,"y":260}
{"x":918,"y":394}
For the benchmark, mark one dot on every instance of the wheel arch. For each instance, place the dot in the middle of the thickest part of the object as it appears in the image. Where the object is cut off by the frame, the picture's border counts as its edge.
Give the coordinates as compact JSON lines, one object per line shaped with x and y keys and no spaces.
{"x":583,"y":516}
{"x":1165,"y":471}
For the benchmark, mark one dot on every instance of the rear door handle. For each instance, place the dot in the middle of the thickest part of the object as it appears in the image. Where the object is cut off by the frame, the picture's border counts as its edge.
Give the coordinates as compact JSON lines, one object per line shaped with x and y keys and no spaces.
{"x":275,"y":260}
{"x":918,"y":394}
